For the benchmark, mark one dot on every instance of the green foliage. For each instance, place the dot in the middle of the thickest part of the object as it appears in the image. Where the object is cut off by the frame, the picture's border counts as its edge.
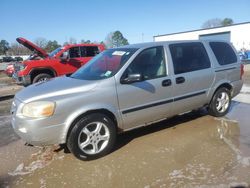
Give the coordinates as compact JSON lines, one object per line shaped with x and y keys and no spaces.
{"x":51,"y":45}
{"x":216,"y":22}
{"x":118,"y":39}
{"x":115,"y":39}
{"x":4,"y":47}
{"x":227,"y":21}
{"x":85,"y":41}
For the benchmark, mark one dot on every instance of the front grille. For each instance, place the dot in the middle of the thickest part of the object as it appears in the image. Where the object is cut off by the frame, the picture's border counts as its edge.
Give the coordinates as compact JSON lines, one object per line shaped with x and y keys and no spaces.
{"x":17,"y":67}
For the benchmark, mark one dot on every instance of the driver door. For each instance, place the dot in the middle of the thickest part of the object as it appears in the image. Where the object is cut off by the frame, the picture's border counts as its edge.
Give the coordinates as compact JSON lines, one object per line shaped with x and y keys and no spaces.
{"x":150,"y":99}
{"x":73,"y":61}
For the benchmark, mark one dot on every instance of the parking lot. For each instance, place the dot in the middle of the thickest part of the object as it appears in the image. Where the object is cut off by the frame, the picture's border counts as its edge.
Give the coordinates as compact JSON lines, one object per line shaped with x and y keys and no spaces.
{"x":191,"y":150}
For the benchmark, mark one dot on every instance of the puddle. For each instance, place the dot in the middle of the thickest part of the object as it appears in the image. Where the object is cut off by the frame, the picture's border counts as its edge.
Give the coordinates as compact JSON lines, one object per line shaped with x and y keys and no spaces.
{"x":40,"y":160}
{"x":192,"y":150}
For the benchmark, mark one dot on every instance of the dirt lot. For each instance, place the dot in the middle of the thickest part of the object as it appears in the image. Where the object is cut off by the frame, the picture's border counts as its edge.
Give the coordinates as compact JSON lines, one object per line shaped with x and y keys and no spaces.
{"x":192,"y":150}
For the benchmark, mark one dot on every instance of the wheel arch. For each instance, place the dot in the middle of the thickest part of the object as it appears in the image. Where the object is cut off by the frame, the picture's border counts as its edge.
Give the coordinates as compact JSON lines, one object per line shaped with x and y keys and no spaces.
{"x":222,"y":85}
{"x":48,"y":70}
{"x":101,"y":111}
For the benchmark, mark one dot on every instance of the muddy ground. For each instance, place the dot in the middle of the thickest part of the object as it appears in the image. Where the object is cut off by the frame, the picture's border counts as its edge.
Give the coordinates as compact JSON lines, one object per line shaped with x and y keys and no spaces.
{"x":192,"y":150}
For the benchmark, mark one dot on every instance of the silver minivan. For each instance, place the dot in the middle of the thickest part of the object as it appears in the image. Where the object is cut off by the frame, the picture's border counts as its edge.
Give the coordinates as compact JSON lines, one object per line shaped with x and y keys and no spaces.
{"x":125,"y":88}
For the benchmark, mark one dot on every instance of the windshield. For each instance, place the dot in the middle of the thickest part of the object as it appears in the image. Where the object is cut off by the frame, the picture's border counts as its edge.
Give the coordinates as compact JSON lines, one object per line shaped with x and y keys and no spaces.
{"x":104,"y":65}
{"x":54,"y":52}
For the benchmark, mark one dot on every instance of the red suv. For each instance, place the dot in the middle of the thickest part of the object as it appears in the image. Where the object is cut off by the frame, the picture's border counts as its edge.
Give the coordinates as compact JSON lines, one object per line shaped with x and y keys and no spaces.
{"x":65,"y":60}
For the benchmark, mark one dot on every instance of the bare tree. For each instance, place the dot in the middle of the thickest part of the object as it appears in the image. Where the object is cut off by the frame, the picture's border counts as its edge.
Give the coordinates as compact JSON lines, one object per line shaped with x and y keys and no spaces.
{"x":215,"y":22}
{"x":109,"y":40}
{"x":72,"y":40}
{"x":41,"y":42}
{"x":18,"y":49}
{"x":86,"y":41}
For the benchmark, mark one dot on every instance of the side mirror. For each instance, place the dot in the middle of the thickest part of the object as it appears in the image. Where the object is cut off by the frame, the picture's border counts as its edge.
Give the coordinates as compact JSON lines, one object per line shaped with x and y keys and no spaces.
{"x":131,"y":78}
{"x":64,"y":56}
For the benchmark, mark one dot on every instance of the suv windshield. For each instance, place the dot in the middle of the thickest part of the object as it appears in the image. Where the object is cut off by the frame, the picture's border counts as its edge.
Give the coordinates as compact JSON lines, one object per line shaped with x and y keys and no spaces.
{"x":54,"y":52}
{"x":104,"y":65}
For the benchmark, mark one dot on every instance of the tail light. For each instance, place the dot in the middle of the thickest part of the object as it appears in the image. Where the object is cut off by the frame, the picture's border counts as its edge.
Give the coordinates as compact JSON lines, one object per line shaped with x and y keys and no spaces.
{"x":241,"y":71}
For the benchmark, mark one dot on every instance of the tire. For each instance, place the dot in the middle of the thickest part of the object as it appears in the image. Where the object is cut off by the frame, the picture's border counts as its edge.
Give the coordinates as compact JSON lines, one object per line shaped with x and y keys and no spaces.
{"x":220,"y":103}
{"x":41,"y":77}
{"x":93,"y":136}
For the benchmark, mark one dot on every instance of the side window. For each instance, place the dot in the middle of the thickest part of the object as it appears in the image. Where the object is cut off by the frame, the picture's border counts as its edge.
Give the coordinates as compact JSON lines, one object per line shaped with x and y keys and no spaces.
{"x":74,"y":52}
{"x":223,"y":53}
{"x":150,"y":63}
{"x":89,"y":51}
{"x":188,"y":57}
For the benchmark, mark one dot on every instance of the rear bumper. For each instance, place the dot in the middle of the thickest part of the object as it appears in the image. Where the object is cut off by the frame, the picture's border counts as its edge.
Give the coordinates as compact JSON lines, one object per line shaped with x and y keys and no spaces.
{"x":23,"y":80}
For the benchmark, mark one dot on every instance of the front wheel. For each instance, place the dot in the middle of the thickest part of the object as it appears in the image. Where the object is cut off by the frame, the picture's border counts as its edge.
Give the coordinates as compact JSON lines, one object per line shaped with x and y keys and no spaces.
{"x":41,"y":78}
{"x":92,"y":136}
{"x":220,"y":104}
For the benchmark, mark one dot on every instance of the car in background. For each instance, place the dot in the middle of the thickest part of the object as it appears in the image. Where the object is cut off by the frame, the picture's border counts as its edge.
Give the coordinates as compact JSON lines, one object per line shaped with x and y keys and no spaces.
{"x":8,"y":59}
{"x":9,"y":71}
{"x":41,"y":66}
{"x":18,"y":58}
{"x":244,"y":56}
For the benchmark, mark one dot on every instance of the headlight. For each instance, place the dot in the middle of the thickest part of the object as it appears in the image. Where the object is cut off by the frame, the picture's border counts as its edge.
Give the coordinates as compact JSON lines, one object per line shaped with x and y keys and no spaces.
{"x":38,"y":109}
{"x":22,"y":66}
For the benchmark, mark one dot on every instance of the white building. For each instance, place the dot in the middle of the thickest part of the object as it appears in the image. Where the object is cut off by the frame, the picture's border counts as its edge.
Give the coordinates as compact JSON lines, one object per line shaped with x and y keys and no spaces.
{"x":237,"y":34}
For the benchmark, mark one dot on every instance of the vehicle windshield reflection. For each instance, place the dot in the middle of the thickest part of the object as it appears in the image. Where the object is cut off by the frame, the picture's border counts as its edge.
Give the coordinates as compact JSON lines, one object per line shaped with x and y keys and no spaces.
{"x":104,"y":65}
{"x":54,"y":52}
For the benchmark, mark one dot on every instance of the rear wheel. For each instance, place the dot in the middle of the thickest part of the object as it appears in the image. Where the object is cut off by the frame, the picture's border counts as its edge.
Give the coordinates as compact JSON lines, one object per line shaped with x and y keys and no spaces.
{"x":92,"y":136}
{"x":220,"y":104}
{"x":41,"y":78}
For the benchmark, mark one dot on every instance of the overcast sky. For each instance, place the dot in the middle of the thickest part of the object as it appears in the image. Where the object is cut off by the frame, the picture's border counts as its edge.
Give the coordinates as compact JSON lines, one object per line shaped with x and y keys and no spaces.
{"x":92,"y":20}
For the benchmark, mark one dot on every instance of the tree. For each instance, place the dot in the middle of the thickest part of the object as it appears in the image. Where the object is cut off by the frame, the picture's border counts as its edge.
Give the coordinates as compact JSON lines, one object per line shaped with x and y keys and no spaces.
{"x":115,"y":39}
{"x":215,"y":22}
{"x":109,"y":40}
{"x":18,"y":49}
{"x":227,"y":21}
{"x":118,"y":39}
{"x":52,"y":45}
{"x":4,"y":46}
{"x":72,"y":40}
{"x":85,"y":41}
{"x":41,"y":42}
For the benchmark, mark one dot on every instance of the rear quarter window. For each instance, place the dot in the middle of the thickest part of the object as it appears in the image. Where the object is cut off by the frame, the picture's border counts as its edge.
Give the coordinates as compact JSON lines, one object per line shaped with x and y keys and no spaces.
{"x":223,"y":52}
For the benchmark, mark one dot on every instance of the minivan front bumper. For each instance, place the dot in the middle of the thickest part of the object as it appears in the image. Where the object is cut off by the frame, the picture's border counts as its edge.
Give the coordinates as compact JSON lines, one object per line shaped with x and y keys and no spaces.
{"x":34,"y":133}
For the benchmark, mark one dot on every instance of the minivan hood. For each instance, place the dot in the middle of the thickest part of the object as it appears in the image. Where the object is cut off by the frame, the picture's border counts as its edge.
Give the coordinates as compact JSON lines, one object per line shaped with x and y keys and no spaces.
{"x":60,"y":86}
{"x":42,"y":53}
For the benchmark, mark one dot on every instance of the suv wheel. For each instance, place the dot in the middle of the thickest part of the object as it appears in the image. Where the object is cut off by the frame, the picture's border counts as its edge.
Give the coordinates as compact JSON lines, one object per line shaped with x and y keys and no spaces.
{"x":92,"y":136}
{"x":220,"y":104}
{"x":41,"y":77}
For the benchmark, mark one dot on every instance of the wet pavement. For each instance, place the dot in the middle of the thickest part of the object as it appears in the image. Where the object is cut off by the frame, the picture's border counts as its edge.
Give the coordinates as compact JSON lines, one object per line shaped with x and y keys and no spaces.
{"x":191,"y":150}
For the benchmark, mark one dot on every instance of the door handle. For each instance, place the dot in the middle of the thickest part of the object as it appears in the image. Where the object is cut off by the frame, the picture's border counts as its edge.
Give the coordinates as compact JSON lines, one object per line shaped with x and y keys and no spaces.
{"x":180,"y":80}
{"x":166,"y":83}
